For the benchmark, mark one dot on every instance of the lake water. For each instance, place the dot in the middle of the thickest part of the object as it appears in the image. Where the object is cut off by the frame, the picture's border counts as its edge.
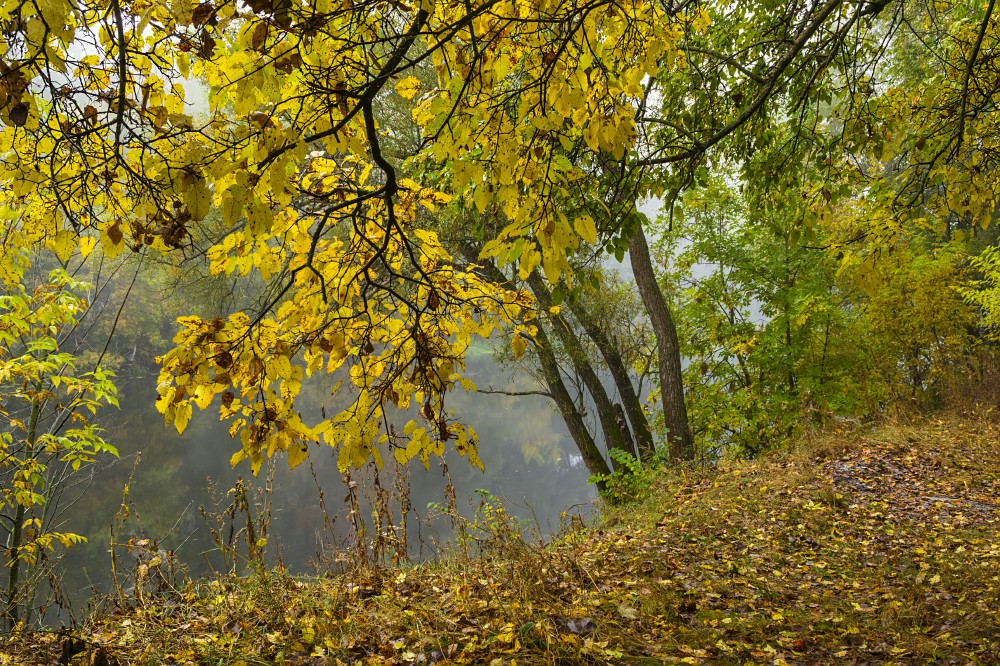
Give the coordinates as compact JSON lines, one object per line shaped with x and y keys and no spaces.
{"x":531,"y":464}
{"x":179,"y":486}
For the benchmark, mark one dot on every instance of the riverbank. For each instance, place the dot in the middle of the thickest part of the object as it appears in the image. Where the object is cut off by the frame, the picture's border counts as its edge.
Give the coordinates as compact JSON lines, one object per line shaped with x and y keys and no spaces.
{"x":867,"y":546}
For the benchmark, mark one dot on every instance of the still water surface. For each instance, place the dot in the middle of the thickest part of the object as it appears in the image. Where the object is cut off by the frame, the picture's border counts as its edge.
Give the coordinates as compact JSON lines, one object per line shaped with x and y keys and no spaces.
{"x":531,"y":463}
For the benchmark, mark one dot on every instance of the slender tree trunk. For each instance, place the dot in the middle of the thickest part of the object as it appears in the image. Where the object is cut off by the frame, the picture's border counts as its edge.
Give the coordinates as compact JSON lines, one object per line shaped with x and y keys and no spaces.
{"x":613,"y":438}
{"x":622,"y":423}
{"x":13,"y":611}
{"x":789,"y":283}
{"x":592,"y":456}
{"x":623,"y":382}
{"x":680,"y":443}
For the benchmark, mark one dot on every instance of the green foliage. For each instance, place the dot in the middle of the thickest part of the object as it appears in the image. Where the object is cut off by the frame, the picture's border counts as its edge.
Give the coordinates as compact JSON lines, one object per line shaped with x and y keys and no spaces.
{"x":756,"y":308}
{"x":984,"y":293}
{"x":492,"y":529}
{"x":778,"y":330}
{"x":913,"y":325}
{"x":631,"y":479}
{"x":47,"y":432}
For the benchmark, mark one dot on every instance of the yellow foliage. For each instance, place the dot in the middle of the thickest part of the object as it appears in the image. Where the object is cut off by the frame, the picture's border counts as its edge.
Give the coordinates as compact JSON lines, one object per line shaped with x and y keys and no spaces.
{"x":287,"y":154}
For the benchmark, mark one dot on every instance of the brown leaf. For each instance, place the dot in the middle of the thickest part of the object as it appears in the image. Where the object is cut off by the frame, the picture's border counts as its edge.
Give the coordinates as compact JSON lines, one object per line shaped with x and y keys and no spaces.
{"x":261,"y":6}
{"x":287,"y":64}
{"x":115,"y":234}
{"x":207,"y":49}
{"x":202,"y":13}
{"x":259,"y":36}
{"x":224,"y":360}
{"x":19,"y":114}
{"x":261,"y":119}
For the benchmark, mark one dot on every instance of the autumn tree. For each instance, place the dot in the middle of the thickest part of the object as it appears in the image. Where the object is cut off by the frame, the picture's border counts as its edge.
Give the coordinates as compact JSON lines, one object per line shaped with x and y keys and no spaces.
{"x":555,"y":117}
{"x":571,"y":319}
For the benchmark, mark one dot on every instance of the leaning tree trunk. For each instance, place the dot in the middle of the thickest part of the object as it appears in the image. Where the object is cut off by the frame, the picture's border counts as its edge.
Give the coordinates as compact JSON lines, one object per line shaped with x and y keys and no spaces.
{"x":614,"y":438}
{"x":623,"y":382}
{"x":592,"y":456}
{"x":680,"y":443}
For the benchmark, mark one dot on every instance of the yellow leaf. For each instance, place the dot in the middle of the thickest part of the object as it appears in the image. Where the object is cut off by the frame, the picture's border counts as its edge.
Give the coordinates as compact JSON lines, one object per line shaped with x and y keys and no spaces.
{"x":87,"y":244}
{"x":232,"y":204}
{"x":586,"y":227}
{"x":63,"y":244}
{"x":297,"y":453}
{"x":197,"y":197}
{"x":408,"y":87}
{"x":182,"y":417}
{"x":518,"y":345}
{"x":506,"y":635}
{"x":282,"y":367}
{"x":203,"y":397}
{"x":550,"y":265}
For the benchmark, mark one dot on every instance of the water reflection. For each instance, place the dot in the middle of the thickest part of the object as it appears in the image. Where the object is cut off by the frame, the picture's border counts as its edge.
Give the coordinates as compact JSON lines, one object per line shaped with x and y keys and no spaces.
{"x":531,"y":463}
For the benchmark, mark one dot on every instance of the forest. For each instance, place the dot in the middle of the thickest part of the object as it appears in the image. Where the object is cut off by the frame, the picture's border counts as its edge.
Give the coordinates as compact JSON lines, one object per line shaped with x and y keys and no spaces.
{"x":714,"y":284}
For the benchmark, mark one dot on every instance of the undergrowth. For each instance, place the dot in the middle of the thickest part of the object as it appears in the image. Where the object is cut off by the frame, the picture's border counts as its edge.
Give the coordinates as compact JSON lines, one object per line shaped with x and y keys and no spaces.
{"x":873,"y":546}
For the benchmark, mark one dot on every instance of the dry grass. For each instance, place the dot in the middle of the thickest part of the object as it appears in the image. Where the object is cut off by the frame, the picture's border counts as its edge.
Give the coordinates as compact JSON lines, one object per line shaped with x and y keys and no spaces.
{"x":875,"y":546}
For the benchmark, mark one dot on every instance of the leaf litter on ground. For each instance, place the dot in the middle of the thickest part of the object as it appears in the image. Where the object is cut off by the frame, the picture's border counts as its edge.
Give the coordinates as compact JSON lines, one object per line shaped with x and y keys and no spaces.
{"x":863,"y":547}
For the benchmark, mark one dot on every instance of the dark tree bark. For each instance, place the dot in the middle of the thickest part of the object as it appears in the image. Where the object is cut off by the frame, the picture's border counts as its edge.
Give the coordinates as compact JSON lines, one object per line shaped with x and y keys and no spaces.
{"x":592,"y":457}
{"x":680,"y":443}
{"x":623,"y":427}
{"x":619,"y":373}
{"x":613,"y":436}
{"x":549,"y":364}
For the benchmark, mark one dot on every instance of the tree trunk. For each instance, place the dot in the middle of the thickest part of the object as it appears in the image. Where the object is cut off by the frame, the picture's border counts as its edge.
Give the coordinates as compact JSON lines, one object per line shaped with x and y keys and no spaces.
{"x":616,"y":366}
{"x":680,"y":443}
{"x":613,"y":438}
{"x":592,"y":456}
{"x":623,"y":428}
{"x":12,"y":612}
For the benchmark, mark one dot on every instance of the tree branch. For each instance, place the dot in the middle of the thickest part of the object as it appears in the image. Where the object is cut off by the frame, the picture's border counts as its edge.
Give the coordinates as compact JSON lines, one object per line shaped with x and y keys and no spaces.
{"x":516,"y":394}
{"x":762,"y":97}
{"x":968,"y":73}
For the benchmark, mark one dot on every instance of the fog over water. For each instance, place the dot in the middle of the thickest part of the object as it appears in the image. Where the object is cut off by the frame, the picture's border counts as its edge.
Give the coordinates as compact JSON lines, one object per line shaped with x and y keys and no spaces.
{"x":531,"y":464}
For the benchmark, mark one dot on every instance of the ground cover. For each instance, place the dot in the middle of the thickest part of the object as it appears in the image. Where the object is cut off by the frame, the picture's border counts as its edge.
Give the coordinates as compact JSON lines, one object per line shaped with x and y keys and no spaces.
{"x":866,"y":546}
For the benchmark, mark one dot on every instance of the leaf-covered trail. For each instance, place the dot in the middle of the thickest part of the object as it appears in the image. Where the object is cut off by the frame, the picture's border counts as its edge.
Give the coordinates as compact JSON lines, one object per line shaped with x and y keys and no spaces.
{"x":873,"y":548}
